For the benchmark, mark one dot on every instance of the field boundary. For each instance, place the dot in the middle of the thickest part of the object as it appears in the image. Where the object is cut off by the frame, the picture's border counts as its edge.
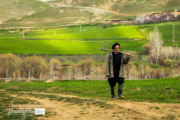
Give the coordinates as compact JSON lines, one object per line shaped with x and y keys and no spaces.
{"x":81,"y":39}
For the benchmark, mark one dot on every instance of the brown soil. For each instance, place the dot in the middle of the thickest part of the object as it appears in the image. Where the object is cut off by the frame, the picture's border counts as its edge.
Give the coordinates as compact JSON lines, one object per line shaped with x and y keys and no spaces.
{"x":49,"y":81}
{"x":14,"y":87}
{"x":28,"y":81}
{"x":119,"y":109}
{"x":7,"y":81}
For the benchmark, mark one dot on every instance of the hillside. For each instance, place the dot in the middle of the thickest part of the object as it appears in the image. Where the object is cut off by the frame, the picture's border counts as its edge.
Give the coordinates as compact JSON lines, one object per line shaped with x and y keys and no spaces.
{"x":59,"y":16}
{"x":86,"y":41}
{"x":71,"y":12}
{"x":126,"y":7}
{"x":89,"y":38}
{"x":69,"y":20}
{"x":19,"y":8}
{"x":166,"y":30}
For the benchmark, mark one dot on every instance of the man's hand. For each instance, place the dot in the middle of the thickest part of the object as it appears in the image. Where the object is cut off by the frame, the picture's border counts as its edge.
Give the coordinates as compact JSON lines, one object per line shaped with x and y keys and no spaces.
{"x":128,"y":55}
{"x":107,"y":75}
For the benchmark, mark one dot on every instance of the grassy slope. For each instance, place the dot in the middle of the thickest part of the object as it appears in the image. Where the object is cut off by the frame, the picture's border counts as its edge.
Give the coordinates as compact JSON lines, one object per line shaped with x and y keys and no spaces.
{"x":9,"y":43}
{"x":130,"y":7}
{"x":49,"y":47}
{"x":137,"y":63}
{"x":70,"y":15}
{"x":139,"y":6}
{"x":87,"y":32}
{"x":166,"y":30}
{"x":11,"y":9}
{"x":112,"y":32}
{"x":59,"y":16}
{"x":128,"y":45}
{"x":134,"y":90}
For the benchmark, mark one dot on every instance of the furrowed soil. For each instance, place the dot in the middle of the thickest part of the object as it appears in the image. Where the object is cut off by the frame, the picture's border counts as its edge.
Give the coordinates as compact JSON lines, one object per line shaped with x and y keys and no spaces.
{"x":68,"y":107}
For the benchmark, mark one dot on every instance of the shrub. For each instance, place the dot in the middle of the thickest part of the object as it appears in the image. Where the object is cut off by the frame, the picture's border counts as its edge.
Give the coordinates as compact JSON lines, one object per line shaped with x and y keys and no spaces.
{"x":146,"y":49}
{"x":55,"y":63}
{"x":168,"y":63}
{"x":72,"y":71}
{"x":85,"y":66}
{"x":104,"y":25}
{"x":135,"y":57}
{"x":161,"y":59}
{"x":168,"y":72}
{"x":178,"y":63}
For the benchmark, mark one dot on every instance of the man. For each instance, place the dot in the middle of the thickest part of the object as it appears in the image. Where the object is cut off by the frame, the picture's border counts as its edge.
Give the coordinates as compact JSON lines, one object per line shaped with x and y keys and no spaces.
{"x":114,"y":69}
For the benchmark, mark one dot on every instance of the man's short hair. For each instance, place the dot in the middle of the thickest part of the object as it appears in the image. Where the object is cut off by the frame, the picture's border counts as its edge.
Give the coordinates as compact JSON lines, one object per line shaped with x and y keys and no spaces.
{"x":113,"y":46}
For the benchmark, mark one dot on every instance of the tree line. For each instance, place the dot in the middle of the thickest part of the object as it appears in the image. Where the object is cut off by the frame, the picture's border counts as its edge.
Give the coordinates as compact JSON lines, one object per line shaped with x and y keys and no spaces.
{"x":36,"y":67}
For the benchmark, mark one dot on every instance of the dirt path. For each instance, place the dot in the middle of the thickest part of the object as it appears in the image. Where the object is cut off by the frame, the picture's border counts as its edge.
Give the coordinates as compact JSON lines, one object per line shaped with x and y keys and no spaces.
{"x":144,"y":30}
{"x":120,"y":109}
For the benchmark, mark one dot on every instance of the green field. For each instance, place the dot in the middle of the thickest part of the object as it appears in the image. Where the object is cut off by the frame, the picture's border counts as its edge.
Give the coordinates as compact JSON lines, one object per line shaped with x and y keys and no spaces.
{"x":166,"y":30}
{"x":86,"y":41}
{"x":48,"y":47}
{"x":142,"y":98}
{"x":111,"y":32}
{"x":134,"y":90}
{"x":53,"y":28}
{"x":61,"y":30}
{"x":11,"y":45}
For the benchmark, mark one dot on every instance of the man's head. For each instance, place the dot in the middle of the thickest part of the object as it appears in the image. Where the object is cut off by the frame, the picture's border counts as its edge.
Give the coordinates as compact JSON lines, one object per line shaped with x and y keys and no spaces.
{"x":115,"y":47}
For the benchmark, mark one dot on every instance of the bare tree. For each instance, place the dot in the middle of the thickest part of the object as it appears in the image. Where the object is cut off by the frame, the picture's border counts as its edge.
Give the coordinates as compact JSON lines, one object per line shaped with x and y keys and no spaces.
{"x":54,"y":67}
{"x":33,"y":66}
{"x":9,"y":63}
{"x":156,"y":42}
{"x":86,"y":65}
{"x":140,"y":19}
{"x":89,"y":21}
{"x":168,"y":18}
{"x":175,"y":14}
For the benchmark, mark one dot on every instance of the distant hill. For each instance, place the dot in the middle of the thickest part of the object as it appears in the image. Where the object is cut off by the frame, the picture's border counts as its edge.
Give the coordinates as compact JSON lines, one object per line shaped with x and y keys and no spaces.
{"x":126,"y":7}
{"x":33,"y":13}
{"x":62,"y":15}
{"x":18,"y":8}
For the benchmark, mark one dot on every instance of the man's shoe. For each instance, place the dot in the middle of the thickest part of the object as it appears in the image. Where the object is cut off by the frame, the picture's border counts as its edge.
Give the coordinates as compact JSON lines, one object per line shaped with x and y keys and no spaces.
{"x":121,"y":97}
{"x":113,"y":97}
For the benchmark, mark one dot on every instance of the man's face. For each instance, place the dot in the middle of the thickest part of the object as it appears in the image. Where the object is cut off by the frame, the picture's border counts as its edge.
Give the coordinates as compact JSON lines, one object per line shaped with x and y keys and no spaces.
{"x":116,"y":48}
